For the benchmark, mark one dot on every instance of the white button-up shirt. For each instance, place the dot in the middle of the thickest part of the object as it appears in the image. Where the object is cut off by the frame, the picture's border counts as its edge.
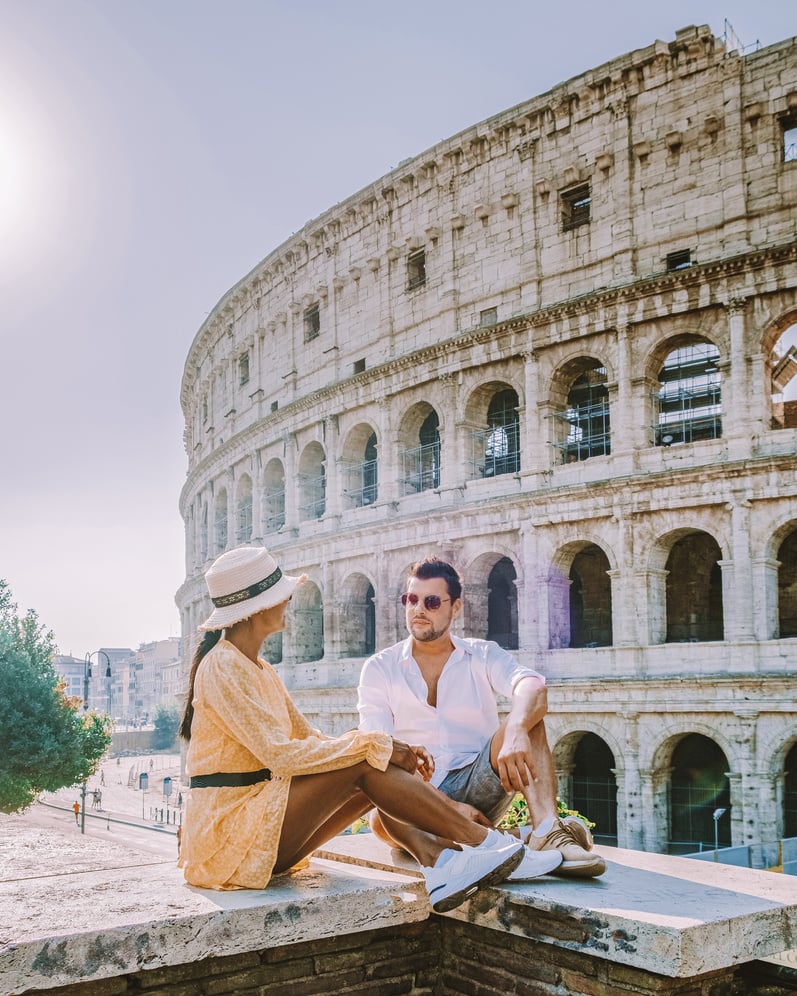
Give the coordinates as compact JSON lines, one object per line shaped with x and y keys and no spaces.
{"x":392,"y":698}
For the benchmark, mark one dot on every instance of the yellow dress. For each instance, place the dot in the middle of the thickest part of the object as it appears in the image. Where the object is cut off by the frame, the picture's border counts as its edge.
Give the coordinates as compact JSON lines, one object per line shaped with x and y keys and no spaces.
{"x":244,"y":719}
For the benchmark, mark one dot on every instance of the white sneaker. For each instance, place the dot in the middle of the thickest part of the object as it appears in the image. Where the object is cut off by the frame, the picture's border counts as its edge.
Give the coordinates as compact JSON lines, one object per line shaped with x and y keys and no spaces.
{"x":457,"y":875}
{"x":536,"y":863}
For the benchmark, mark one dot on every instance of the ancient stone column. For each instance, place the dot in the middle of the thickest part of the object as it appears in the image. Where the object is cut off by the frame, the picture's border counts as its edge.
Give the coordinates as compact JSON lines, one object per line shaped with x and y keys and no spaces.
{"x":650,"y":606}
{"x":766,"y":622}
{"x":291,"y":481}
{"x":332,"y":484}
{"x":535,"y":457}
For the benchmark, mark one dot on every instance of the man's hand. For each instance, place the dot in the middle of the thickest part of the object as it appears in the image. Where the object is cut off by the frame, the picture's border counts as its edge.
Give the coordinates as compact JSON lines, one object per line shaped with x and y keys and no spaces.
{"x":425,"y":761}
{"x":515,"y":761}
{"x":472,"y":813}
{"x":413,"y":758}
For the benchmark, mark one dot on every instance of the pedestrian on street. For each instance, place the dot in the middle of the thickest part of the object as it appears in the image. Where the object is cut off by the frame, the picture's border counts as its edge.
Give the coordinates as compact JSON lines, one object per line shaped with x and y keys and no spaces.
{"x":102,"y":777}
{"x":76,"y":808}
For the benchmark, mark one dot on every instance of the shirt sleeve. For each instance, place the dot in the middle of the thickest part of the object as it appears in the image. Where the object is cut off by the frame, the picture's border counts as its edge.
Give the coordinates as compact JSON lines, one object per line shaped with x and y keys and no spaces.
{"x":251,"y":712}
{"x":373,"y":699}
{"x":504,"y":671}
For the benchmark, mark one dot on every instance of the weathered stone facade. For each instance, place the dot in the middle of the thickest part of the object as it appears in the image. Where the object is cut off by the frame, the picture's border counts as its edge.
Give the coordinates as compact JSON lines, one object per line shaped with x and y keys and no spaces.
{"x":550,"y":350}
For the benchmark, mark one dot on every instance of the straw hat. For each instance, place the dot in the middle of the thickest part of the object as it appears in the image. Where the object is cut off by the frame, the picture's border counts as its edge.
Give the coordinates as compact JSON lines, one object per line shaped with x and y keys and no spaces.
{"x":243,"y":582}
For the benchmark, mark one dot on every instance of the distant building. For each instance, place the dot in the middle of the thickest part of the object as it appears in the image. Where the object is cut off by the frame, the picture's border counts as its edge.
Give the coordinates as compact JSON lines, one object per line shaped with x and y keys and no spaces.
{"x":73,"y":671}
{"x":139,"y":681}
{"x":150,"y":662}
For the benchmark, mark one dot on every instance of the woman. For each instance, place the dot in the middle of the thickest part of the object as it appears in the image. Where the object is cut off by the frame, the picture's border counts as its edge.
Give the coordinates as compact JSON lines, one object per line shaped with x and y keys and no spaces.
{"x":267,"y":789}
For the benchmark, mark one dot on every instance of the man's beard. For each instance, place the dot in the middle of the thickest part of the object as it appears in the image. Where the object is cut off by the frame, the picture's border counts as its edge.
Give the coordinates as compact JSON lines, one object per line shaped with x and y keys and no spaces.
{"x":428,"y":635}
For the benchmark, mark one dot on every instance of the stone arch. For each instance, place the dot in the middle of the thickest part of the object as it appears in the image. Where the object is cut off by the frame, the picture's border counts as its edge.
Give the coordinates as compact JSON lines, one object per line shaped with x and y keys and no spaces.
{"x":312,"y":482}
{"x":699,"y":788}
{"x":478,"y":400}
{"x":657,"y":756}
{"x":357,"y":616}
{"x":582,"y":415}
{"x":789,"y":774}
{"x":580,"y":596}
{"x":203,"y":534}
{"x":585,"y":761}
{"x":274,"y":496}
{"x":661,"y":581}
{"x":692,"y":590}
{"x":492,"y":414}
{"x":359,"y":466}
{"x":243,"y":510}
{"x":307,"y":623}
{"x":419,"y":443}
{"x":686,"y":403}
{"x":398,"y":585}
{"x":780,"y":365}
{"x":786,"y":556}
{"x":486,"y":582}
{"x":220,"y":519}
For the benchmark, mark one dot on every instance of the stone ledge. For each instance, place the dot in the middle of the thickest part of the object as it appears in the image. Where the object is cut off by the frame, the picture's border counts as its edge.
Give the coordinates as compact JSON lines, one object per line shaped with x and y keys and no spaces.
{"x":134,"y":912}
{"x":128,"y":912}
{"x":671,"y":916}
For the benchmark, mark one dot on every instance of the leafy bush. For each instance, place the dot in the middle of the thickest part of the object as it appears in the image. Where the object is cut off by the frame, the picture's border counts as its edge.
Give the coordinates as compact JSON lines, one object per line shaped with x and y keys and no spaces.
{"x":518,"y":814}
{"x":167,"y":721}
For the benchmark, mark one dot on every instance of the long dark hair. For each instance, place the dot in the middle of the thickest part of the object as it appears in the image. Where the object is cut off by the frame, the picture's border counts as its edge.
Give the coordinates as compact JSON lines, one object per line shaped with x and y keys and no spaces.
{"x":206,"y":644}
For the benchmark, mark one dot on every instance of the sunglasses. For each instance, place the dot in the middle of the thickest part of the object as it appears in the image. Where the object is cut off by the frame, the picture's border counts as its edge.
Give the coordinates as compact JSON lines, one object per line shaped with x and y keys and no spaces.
{"x":431,"y":602}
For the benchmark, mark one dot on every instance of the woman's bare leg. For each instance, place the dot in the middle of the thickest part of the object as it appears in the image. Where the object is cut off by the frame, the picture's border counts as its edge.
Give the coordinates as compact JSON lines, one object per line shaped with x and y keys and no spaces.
{"x":327,"y":801}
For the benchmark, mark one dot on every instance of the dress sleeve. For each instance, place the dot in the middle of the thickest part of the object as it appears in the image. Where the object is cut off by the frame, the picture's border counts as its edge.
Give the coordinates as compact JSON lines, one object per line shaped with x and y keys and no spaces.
{"x":259,"y":714}
{"x":373,"y":700}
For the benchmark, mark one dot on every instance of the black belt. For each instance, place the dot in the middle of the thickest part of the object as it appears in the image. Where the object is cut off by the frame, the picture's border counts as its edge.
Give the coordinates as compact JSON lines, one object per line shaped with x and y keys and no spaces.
{"x":223,"y":779}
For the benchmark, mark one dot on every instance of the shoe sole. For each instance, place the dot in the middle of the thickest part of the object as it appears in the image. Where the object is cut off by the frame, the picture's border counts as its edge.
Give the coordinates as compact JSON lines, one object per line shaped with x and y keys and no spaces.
{"x":494,"y":877}
{"x":581,"y":869}
{"x":552,"y":866}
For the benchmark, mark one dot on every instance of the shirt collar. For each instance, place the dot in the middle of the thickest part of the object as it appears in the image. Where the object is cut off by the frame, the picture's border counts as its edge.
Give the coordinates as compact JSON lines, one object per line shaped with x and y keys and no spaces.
{"x":461,"y":648}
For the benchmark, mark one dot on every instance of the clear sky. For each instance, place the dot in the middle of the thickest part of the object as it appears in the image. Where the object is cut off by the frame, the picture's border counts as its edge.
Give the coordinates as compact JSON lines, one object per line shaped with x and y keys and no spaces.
{"x":151,"y":153}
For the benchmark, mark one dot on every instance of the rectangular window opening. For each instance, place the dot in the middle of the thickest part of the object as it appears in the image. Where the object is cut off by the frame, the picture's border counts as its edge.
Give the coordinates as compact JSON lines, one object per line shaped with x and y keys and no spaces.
{"x":274,"y":406}
{"x":416,"y":269}
{"x":789,"y":126}
{"x":312,"y":323}
{"x":488,"y":317}
{"x":576,"y":204}
{"x":680,"y":260}
{"x":243,"y":369}
{"x":359,"y":366}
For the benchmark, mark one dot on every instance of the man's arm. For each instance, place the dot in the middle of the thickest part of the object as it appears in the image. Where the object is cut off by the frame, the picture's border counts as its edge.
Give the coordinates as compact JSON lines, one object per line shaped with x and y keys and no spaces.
{"x":515,"y":759}
{"x":373,"y":703}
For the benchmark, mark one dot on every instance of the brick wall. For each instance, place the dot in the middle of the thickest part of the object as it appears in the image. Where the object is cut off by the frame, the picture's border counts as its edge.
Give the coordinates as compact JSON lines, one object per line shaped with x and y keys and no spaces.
{"x":434,"y":958}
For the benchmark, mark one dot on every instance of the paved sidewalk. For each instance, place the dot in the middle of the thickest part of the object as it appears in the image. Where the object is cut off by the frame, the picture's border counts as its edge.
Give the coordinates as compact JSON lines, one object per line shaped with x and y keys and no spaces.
{"x":118,"y":779}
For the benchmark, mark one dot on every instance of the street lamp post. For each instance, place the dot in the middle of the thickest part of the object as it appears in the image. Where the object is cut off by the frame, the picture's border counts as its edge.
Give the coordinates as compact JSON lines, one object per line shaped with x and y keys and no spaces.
{"x":86,"y":684}
{"x":716,"y":817}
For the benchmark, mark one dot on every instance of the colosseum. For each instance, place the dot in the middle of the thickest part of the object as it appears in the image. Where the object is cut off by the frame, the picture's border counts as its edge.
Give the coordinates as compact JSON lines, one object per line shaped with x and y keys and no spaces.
{"x":556,"y":349}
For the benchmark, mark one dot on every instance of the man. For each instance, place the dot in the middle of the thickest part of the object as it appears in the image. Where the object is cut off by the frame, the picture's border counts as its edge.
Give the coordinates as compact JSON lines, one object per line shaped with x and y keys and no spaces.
{"x":439,"y":690}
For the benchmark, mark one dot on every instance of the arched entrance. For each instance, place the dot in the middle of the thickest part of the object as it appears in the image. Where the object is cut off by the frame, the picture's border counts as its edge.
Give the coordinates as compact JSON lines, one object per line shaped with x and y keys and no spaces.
{"x":699,"y":787}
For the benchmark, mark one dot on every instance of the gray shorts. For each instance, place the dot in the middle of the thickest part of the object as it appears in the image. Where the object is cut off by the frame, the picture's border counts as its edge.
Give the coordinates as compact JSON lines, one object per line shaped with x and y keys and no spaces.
{"x":478,"y":785}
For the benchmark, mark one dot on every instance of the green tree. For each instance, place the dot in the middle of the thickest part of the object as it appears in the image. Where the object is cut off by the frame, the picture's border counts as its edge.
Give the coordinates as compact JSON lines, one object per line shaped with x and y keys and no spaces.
{"x":46,"y":741}
{"x":166,"y":721}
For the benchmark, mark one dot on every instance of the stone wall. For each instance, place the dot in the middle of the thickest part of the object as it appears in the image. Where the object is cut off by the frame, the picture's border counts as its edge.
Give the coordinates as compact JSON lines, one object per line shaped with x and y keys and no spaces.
{"x":567,"y":248}
{"x":434,"y":958}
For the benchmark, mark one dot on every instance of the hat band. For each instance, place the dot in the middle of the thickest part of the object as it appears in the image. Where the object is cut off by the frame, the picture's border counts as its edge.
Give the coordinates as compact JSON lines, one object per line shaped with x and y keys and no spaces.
{"x":246,"y":593}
